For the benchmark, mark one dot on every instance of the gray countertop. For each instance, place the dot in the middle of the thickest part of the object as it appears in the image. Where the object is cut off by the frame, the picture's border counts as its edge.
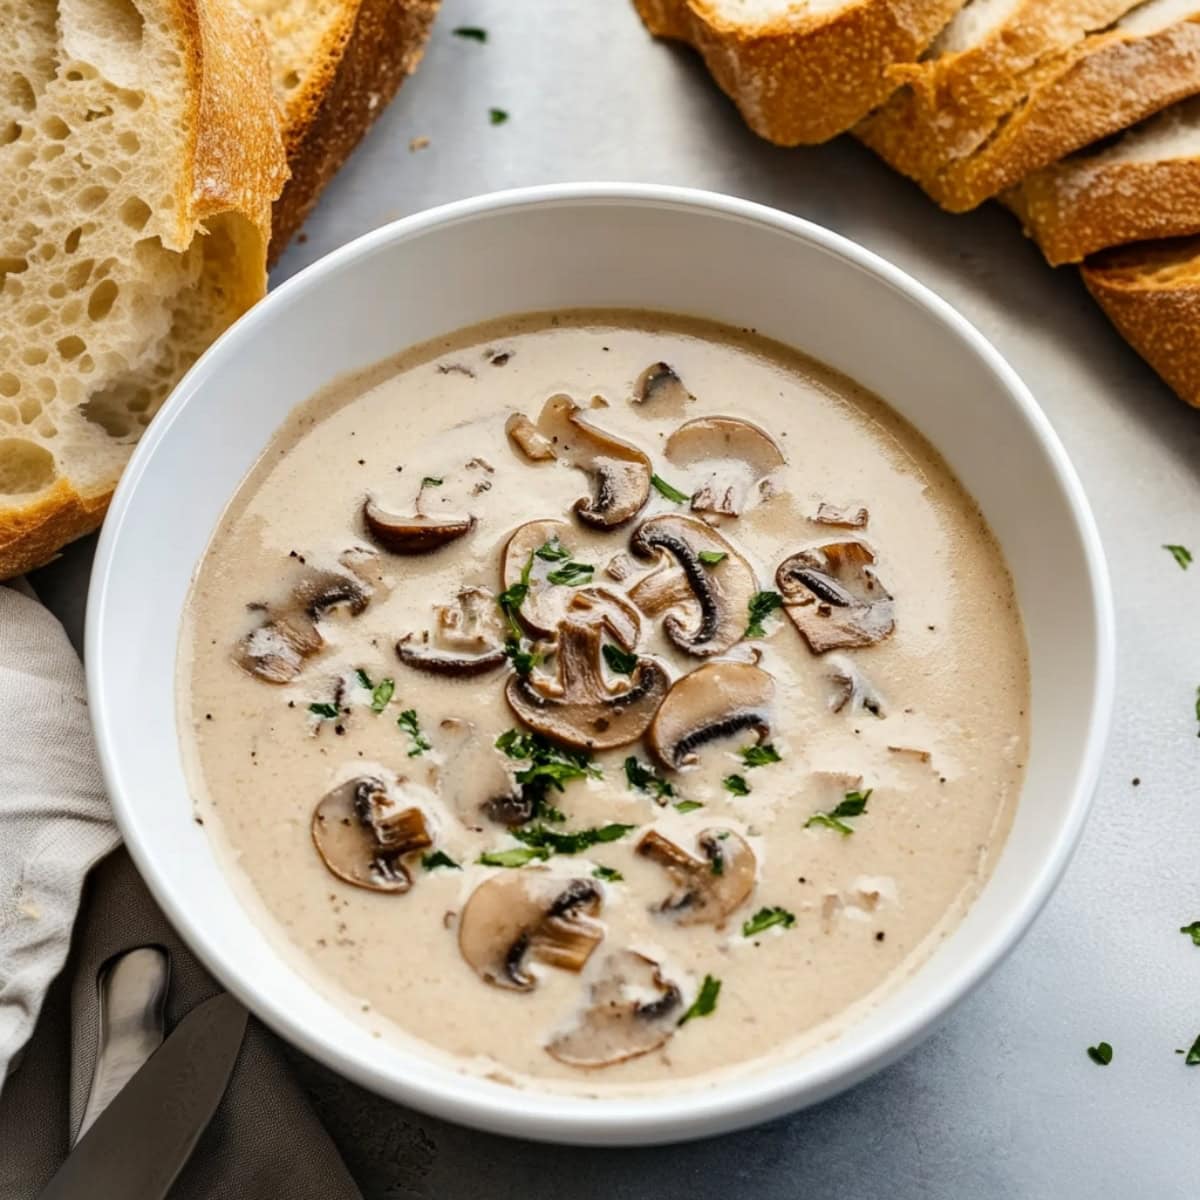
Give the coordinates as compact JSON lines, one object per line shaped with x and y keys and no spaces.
{"x":1002,"y":1102}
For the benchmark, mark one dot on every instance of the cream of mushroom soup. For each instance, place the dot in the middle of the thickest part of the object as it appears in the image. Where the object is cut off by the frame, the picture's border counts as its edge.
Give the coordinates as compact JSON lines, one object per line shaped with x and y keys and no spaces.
{"x":604,"y":700}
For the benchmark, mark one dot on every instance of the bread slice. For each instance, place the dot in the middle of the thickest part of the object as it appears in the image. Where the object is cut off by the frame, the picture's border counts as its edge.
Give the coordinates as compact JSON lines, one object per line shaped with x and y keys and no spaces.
{"x":140,"y":152}
{"x":1028,"y":83}
{"x":336,"y":64}
{"x":1143,"y":186}
{"x":801,"y":71}
{"x":1151,"y":293}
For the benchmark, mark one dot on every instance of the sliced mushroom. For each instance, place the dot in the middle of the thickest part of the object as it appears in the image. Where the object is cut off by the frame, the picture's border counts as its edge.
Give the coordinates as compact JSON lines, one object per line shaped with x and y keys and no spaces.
{"x":524,"y":915}
{"x":611,"y":610}
{"x":545,"y":602}
{"x":737,"y":460}
{"x":415,"y":534}
{"x":581,"y":707}
{"x":707,"y":889}
{"x":362,"y":835}
{"x":534,"y":445}
{"x":276,"y":651}
{"x":717,"y":700}
{"x":621,"y":1020}
{"x":620,"y":473}
{"x":620,"y":567}
{"x":322,"y":591}
{"x":472,"y":779}
{"x":659,"y":385}
{"x":852,"y":687}
{"x":467,"y":639}
{"x":833,"y":596}
{"x":711,"y":614}
{"x":845,"y":515}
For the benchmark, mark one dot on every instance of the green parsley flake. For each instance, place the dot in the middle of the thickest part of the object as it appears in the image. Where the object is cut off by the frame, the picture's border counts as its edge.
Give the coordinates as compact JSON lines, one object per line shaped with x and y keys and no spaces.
{"x":643,"y":779}
{"x":538,"y":837}
{"x":1198,"y":709}
{"x":511,"y":599}
{"x":473,"y":32}
{"x":407,"y":721}
{"x":736,"y":784}
{"x":665,"y":489}
{"x":552,"y":551}
{"x":363,"y":678}
{"x":687,"y":806}
{"x":765,"y":918}
{"x":759,"y":756}
{"x":710,"y":558}
{"x":381,"y":694}
{"x":1194,"y":930}
{"x":608,"y":874}
{"x":523,"y":660}
{"x":497,"y":116}
{"x":705,"y":1002}
{"x":618,"y":660}
{"x":518,"y":856}
{"x":1100,"y":1054}
{"x":549,"y":767}
{"x":439,"y":858}
{"x":432,"y":481}
{"x":1181,"y":554}
{"x":854,"y":805}
{"x":761,"y":605}
{"x":327,"y":711}
{"x":1193,"y":1055}
{"x":572,"y":574}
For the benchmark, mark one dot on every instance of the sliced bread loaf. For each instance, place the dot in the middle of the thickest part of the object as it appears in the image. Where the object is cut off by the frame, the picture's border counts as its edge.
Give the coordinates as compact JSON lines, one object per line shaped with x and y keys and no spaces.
{"x":997,"y":100}
{"x":335,"y":65}
{"x":1151,"y":293}
{"x":801,"y":71}
{"x":140,"y":152}
{"x":1145,"y":185}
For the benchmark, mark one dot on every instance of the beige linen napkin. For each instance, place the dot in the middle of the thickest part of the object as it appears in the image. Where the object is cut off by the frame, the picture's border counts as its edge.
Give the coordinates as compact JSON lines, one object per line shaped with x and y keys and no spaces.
{"x":55,"y":822}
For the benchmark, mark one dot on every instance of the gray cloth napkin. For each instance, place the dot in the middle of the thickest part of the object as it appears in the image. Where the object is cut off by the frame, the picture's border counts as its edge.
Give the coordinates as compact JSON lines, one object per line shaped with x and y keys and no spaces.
{"x":54,"y":823}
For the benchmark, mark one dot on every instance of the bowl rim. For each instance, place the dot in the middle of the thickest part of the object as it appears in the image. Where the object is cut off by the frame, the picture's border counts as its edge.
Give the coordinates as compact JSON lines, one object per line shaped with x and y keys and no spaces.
{"x":730,"y":1104}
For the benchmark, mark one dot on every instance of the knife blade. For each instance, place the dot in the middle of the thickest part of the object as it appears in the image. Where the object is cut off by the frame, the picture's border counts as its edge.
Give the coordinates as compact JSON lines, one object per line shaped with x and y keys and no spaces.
{"x":141,"y":1141}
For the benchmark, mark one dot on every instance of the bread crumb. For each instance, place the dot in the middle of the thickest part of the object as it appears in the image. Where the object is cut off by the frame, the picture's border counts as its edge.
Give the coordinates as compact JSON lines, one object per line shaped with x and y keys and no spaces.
{"x":418,"y":143}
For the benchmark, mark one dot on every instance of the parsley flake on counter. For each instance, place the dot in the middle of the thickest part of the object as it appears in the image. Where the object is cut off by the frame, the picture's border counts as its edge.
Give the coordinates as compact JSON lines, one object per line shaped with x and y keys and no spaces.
{"x":407,"y":721}
{"x":710,"y":558}
{"x":608,"y":874}
{"x":762,"y":604}
{"x":854,"y":805}
{"x":1181,"y":554}
{"x":473,"y":32}
{"x":439,"y":858}
{"x":552,"y":551}
{"x":497,"y":116}
{"x":571,"y":574}
{"x":736,"y":784}
{"x":765,"y":918}
{"x":1193,"y":1055}
{"x":619,"y":662}
{"x":705,"y":1002}
{"x":381,"y":694}
{"x":665,"y":489}
{"x":643,"y":779}
{"x":759,"y":756}
{"x":687,"y":806}
{"x":1194,"y":930}
{"x":326,"y":711}
{"x":432,"y":481}
{"x":1100,"y":1054}
{"x":517,"y":856}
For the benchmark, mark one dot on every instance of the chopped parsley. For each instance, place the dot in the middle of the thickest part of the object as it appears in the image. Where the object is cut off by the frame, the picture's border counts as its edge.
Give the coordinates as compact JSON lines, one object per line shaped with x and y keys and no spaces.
{"x":854,"y":805}
{"x":549,"y":767}
{"x":518,"y":856}
{"x":1193,"y":1055}
{"x":736,"y":784}
{"x":439,"y":858}
{"x":618,"y":660}
{"x":523,"y":661}
{"x":511,"y":599}
{"x":1100,"y":1054}
{"x":759,"y":756}
{"x":645,"y":780}
{"x":710,"y":558}
{"x":432,"y":481}
{"x":572,"y":574}
{"x":473,"y":32}
{"x":1194,"y":930}
{"x":538,"y":837}
{"x":665,"y":489}
{"x":687,"y":806}
{"x":381,"y":694}
{"x":761,"y":605}
{"x":1181,"y":554}
{"x":552,"y":551}
{"x":497,"y":116}
{"x":608,"y":874}
{"x":1198,"y":709}
{"x":705,"y":1002}
{"x":765,"y":918}
{"x":363,"y":678}
{"x":407,"y":721}
{"x":326,"y":711}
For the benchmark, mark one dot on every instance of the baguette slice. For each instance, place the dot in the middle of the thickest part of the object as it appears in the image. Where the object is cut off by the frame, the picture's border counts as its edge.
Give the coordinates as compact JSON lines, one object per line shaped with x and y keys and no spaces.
{"x":967,"y":139}
{"x":335,"y":64}
{"x":1144,"y":186}
{"x":140,"y":152}
{"x":801,"y":71}
{"x":1151,"y":293}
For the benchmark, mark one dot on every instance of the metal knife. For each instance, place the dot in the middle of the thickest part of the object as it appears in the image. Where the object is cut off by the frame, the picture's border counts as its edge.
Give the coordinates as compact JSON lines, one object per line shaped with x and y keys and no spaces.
{"x":140,"y":1142}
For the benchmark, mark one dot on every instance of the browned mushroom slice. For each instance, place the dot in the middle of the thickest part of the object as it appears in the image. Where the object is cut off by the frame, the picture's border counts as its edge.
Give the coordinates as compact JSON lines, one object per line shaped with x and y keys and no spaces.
{"x":467,"y":639}
{"x":581,"y":707}
{"x":717,"y":700}
{"x":524,"y":915}
{"x":852,"y":688}
{"x":534,"y":445}
{"x":322,"y":591}
{"x":611,"y":610}
{"x":415,"y":534}
{"x":545,"y":602}
{"x":661,"y":386}
{"x":847,"y":516}
{"x":735,"y":458}
{"x":833,"y":596}
{"x":710,"y":615}
{"x":621,"y":1021}
{"x":275,"y":652}
{"x":707,"y":889}
{"x":363,"y":835}
{"x":620,"y":473}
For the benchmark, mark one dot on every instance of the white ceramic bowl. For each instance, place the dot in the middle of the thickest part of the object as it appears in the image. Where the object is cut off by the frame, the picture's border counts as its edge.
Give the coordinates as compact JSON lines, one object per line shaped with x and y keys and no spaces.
{"x":568,"y":246}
